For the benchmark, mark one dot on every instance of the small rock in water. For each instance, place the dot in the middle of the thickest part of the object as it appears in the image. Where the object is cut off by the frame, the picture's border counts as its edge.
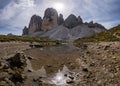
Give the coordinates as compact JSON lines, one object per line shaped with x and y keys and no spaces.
{"x":85,"y":69}
{"x":69,"y":81}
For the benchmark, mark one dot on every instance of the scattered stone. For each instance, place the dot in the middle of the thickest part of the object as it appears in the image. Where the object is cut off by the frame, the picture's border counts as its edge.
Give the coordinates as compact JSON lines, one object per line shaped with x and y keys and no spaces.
{"x":30,"y":58}
{"x":92,"y":64}
{"x":84,"y":46}
{"x":71,"y":77}
{"x":69,"y":81}
{"x":114,"y":57}
{"x":17,"y":77}
{"x":107,"y":47}
{"x":49,"y":65}
{"x":85,"y":69}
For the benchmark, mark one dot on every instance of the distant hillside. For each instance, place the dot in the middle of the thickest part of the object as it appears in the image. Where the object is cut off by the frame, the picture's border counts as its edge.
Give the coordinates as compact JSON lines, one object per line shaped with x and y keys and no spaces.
{"x":108,"y":36}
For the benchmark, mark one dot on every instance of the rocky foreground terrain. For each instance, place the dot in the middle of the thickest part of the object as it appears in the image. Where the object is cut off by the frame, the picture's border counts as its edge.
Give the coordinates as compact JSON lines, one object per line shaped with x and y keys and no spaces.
{"x":92,"y":64}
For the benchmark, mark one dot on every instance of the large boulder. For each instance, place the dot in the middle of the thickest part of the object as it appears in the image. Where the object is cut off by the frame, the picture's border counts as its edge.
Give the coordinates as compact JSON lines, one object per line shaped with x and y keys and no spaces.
{"x":18,"y":60}
{"x":71,"y":21}
{"x":50,"y":19}
{"x":35,"y":24}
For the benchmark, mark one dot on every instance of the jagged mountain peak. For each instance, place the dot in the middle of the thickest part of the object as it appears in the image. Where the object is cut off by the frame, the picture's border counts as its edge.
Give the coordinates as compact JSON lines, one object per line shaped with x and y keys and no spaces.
{"x":53,"y":24}
{"x":72,"y":21}
{"x":50,"y":12}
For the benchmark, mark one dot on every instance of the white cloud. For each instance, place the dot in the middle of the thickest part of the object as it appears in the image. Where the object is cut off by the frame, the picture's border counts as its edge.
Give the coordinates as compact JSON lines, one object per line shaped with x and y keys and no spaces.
{"x":110,"y":24}
{"x":26,"y":3}
{"x":99,"y":11}
{"x":69,"y":6}
{"x":18,"y":12}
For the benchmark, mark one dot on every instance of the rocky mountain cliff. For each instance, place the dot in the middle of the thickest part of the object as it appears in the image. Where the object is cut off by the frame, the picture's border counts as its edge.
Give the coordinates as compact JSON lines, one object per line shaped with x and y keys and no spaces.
{"x":55,"y":27}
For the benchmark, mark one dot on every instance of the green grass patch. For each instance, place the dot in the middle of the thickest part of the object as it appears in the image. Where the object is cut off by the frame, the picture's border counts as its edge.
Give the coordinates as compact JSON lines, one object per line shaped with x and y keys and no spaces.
{"x":4,"y":38}
{"x":107,"y":36}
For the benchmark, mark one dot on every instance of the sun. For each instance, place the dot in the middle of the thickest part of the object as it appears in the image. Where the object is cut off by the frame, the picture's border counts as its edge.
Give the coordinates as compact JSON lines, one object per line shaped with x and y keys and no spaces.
{"x":59,"y":6}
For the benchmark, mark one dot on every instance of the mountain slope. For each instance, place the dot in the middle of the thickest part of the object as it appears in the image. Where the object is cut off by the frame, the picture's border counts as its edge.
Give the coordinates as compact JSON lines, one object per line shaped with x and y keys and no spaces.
{"x":109,"y":35}
{"x":63,"y":33}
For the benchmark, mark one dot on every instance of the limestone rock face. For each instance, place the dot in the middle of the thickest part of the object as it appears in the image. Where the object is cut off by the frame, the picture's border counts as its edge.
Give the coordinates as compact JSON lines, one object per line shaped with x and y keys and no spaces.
{"x":80,"y":21}
{"x":60,"y":19}
{"x":55,"y":27}
{"x":94,"y":25}
{"x":25,"y":31}
{"x":50,"y":19}
{"x":71,"y":21}
{"x":35,"y":24}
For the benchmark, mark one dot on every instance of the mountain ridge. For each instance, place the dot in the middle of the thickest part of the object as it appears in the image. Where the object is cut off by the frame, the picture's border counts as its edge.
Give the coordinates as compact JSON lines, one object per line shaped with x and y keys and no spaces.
{"x":72,"y":27}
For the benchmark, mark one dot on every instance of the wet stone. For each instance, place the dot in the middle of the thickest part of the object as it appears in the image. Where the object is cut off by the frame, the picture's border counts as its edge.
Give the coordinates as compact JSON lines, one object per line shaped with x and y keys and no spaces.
{"x":85,"y":70}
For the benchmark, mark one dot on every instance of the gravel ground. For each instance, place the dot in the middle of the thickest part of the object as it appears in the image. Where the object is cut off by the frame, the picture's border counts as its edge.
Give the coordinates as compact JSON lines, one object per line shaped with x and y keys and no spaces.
{"x":8,"y":48}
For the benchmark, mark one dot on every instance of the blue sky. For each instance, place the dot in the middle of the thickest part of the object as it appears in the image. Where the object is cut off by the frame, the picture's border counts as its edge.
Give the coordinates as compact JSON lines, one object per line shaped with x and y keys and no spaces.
{"x":15,"y":14}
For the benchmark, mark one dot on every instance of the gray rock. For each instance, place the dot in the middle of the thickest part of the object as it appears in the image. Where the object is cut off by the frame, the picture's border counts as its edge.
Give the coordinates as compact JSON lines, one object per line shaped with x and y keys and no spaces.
{"x":71,"y":21}
{"x":99,"y":27}
{"x":60,"y":19}
{"x":80,"y":21}
{"x":35,"y":24}
{"x":50,"y":19}
{"x":25,"y":31}
{"x":55,"y":27}
{"x":49,"y":12}
{"x":69,"y":81}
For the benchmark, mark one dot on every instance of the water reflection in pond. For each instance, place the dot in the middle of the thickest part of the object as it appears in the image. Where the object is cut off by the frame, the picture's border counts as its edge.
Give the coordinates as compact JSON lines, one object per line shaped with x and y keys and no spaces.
{"x":54,"y":58}
{"x":58,"y":61}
